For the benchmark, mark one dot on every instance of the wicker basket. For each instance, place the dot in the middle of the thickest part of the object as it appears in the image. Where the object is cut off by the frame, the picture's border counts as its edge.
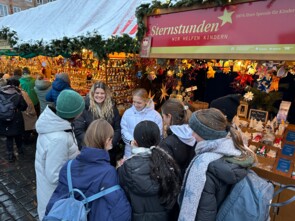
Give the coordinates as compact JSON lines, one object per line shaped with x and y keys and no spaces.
{"x":197,"y":105}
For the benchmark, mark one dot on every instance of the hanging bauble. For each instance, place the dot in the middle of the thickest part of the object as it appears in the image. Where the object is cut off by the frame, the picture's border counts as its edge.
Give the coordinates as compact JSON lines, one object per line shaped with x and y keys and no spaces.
{"x":139,"y":74}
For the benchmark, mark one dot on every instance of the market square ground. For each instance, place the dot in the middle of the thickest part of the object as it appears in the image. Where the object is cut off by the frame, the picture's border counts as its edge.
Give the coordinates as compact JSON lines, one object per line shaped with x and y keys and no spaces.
{"x":18,"y":185}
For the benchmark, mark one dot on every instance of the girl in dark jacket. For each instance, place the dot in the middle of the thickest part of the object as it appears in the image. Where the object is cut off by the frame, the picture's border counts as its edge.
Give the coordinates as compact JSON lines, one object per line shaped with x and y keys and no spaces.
{"x":180,"y":142}
{"x":99,"y":105}
{"x":92,"y":173}
{"x":13,"y":130}
{"x":220,"y":162}
{"x":150,"y":177}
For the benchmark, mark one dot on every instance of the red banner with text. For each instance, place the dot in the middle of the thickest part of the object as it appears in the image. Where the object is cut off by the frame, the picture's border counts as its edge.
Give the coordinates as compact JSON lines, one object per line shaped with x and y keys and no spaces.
{"x":263,"y":27}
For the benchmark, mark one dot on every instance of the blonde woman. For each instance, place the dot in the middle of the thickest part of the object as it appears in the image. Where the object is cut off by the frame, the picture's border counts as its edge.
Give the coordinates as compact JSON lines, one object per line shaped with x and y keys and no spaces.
{"x":91,"y":173}
{"x":99,"y":105}
{"x":142,"y":109}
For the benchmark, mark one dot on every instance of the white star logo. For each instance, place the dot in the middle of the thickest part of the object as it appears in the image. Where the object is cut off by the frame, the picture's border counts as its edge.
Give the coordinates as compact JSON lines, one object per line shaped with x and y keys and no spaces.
{"x":226,"y":17}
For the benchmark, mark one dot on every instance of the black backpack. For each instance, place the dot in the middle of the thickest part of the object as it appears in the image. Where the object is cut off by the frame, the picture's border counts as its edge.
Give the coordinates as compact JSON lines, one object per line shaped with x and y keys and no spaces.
{"x":7,"y":107}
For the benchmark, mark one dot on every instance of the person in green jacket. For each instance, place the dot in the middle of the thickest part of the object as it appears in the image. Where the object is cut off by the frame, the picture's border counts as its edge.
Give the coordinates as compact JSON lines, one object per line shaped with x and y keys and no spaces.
{"x":27,"y":83}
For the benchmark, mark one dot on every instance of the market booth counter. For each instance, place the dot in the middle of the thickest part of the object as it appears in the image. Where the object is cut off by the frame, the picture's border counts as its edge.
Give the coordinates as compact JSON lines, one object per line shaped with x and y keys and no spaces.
{"x":218,"y":33}
{"x":276,"y":159}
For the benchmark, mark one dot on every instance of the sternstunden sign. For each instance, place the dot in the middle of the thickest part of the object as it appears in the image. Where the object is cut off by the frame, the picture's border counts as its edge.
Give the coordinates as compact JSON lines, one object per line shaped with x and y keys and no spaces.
{"x":257,"y":30}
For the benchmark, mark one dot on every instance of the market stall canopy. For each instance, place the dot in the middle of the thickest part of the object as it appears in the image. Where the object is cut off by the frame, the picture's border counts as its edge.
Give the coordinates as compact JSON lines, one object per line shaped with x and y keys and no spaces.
{"x":71,"y":19}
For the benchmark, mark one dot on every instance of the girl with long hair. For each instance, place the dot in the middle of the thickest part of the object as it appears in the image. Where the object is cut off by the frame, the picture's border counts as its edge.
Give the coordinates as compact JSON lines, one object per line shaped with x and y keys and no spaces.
{"x":150,"y":177}
{"x":99,"y":105}
{"x":220,"y":162}
{"x":179,"y":142}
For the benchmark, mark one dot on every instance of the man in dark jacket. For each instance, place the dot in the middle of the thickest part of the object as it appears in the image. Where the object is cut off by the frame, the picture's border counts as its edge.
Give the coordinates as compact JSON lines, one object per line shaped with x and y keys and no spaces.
{"x":13,"y":129}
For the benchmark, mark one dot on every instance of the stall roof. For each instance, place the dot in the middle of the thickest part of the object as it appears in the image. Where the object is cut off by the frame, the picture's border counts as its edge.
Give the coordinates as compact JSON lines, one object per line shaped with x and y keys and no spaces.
{"x":72,"y":18}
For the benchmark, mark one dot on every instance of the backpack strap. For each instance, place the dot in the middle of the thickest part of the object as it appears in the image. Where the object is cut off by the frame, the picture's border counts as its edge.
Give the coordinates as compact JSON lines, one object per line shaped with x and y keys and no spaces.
{"x":69,"y":178}
{"x":101,"y":193}
{"x":287,"y":201}
{"x":91,"y":198}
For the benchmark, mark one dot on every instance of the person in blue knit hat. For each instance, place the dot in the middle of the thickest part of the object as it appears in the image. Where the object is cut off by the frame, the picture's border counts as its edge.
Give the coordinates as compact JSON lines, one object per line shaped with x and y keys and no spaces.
{"x":61,"y":82}
{"x":56,"y":143}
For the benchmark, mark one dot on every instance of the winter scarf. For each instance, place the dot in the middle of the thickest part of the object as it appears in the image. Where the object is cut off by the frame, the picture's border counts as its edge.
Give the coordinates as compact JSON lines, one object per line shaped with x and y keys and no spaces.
{"x":207,"y":151}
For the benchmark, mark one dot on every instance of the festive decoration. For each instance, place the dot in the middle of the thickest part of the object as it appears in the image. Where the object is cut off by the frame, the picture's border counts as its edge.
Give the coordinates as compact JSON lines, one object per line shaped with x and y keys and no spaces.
{"x":151,"y":76}
{"x":263,"y":100}
{"x":67,"y":46}
{"x":139,"y":74}
{"x":274,"y":86}
{"x":151,"y":96}
{"x":248,"y":96}
{"x":244,"y":79}
{"x":210,"y":72}
{"x":226,"y":67}
{"x":164,"y":93}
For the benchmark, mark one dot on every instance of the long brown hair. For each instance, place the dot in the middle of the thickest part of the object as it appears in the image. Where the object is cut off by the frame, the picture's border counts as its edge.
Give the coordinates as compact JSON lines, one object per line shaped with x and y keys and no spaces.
{"x":179,"y":112}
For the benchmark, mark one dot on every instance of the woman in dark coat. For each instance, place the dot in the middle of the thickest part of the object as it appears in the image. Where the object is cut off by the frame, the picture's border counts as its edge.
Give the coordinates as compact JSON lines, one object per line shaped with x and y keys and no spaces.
{"x":99,"y":105}
{"x":13,"y":129}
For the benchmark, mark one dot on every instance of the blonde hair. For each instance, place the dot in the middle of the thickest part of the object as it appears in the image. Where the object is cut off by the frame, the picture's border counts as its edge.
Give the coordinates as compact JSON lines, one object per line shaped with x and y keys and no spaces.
{"x":97,"y":134}
{"x":105,"y":110}
{"x":142,"y":93}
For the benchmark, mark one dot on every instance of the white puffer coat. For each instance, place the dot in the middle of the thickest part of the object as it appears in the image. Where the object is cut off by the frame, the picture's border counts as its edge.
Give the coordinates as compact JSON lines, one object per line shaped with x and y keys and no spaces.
{"x":54,"y":148}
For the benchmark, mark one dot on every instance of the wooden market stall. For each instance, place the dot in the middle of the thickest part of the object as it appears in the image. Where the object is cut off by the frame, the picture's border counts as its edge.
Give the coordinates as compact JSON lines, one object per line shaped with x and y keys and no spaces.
{"x":77,"y":37}
{"x":245,"y":37}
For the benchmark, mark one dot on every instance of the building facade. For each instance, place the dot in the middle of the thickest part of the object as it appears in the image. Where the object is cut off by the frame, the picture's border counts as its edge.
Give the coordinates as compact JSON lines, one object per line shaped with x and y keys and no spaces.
{"x":8,"y":7}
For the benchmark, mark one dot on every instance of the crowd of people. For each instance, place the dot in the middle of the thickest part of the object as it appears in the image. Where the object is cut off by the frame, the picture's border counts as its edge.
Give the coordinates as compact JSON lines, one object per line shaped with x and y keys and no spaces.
{"x":174,"y":162}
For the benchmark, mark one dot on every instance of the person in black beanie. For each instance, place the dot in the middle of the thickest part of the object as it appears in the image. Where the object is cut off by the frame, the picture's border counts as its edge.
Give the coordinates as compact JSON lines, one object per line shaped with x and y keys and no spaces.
{"x":228,"y":105}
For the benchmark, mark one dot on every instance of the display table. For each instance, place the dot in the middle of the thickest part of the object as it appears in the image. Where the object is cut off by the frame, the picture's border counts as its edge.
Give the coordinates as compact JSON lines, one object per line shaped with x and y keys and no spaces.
{"x":276,"y":170}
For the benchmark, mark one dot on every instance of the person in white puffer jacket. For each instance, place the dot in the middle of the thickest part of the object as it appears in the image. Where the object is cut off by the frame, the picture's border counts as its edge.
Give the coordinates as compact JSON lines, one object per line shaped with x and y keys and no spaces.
{"x":56,"y":144}
{"x":142,"y":109}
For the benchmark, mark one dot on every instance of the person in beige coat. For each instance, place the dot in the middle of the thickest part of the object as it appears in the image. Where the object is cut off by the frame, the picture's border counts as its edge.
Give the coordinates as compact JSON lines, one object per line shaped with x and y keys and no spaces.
{"x":29,"y":115}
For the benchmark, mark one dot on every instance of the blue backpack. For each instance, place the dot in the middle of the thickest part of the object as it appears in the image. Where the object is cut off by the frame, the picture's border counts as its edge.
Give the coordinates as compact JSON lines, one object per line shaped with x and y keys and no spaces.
{"x":248,"y":200}
{"x":71,"y":209}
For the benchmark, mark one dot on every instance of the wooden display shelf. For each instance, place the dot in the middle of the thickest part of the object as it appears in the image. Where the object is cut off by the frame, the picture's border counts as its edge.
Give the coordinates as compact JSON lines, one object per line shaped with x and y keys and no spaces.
{"x":267,"y":166}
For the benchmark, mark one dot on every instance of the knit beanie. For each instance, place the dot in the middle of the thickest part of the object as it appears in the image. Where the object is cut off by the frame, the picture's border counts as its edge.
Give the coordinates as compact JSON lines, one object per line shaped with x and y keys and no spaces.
{"x":64,"y":76}
{"x":228,"y":105}
{"x":69,"y":104}
{"x":203,"y":129}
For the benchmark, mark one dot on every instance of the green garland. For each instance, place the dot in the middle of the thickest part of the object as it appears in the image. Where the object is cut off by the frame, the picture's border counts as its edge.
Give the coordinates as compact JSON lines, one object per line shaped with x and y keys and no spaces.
{"x":265,"y":101}
{"x":67,"y":46}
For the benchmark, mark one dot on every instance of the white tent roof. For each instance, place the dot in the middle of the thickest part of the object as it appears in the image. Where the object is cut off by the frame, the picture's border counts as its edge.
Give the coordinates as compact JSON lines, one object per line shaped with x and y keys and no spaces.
{"x":73,"y":18}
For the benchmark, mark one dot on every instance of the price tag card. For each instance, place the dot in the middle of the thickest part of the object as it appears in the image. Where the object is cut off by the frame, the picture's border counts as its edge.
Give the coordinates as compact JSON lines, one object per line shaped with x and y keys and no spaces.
{"x":290,"y":136}
{"x":284,"y":165}
{"x":288,"y":150}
